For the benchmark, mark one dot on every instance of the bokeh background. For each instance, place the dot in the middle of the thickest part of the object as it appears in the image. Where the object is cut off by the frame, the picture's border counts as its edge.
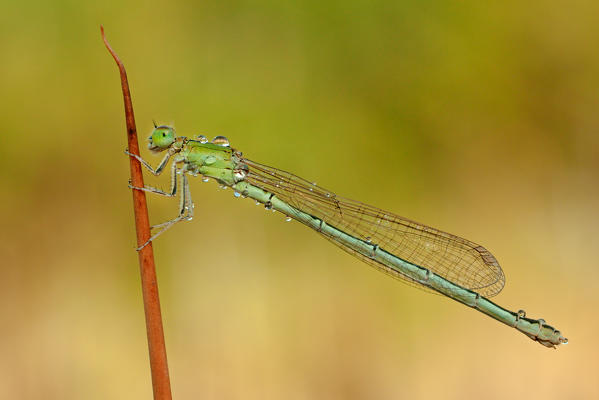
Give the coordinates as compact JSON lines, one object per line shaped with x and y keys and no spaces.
{"x":480,"y":119}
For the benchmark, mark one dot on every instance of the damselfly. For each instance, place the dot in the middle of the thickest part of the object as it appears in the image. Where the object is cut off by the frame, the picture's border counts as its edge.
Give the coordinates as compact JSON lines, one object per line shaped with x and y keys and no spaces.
{"x":414,"y":253}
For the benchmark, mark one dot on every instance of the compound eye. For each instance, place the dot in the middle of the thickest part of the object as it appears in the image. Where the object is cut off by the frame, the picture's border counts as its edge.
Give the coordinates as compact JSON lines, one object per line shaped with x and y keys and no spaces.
{"x":163,"y":137}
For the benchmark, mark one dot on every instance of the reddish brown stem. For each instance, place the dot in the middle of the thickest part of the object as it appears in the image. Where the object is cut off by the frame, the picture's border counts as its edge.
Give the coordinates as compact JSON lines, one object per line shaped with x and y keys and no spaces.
{"x":158,"y":364}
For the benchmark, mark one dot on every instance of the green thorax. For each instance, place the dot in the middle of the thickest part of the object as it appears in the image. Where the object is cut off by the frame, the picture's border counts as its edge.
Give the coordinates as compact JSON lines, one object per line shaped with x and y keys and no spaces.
{"x":211,"y":160}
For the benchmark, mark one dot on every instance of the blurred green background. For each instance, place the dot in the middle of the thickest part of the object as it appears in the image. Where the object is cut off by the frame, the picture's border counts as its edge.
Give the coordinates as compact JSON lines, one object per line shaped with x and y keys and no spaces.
{"x":475,"y":118}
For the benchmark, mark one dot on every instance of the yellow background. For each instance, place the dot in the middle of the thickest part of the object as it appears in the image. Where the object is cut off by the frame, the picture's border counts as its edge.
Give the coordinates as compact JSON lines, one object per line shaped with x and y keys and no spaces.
{"x":481,"y":120}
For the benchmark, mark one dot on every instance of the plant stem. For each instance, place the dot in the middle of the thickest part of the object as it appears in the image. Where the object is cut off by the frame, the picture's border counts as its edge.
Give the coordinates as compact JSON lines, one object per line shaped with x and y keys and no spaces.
{"x":158,"y":363}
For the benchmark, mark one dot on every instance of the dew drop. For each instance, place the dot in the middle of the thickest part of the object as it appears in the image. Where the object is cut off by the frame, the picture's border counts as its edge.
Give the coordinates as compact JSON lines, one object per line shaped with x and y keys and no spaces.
{"x":257,"y":203}
{"x":220,"y":141}
{"x":368,"y":239}
{"x":239,"y":174}
{"x":287,"y":219}
{"x":236,"y":194}
{"x":202,"y":139}
{"x":205,"y":179}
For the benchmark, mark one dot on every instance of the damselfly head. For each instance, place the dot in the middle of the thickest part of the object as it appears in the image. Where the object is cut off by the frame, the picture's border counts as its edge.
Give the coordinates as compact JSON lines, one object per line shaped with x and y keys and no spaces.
{"x":162,"y":137}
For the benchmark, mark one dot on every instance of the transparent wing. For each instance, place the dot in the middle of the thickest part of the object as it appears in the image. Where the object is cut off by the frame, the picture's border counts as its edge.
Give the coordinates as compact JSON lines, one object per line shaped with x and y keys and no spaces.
{"x":454,"y":258}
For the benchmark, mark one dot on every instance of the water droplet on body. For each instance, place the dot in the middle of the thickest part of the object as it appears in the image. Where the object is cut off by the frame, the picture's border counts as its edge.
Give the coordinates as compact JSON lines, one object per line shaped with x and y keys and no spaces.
{"x":221,"y":141}
{"x":205,"y":179}
{"x":287,"y":219}
{"x":236,"y":194}
{"x":202,"y":139}
{"x":239,"y":174}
